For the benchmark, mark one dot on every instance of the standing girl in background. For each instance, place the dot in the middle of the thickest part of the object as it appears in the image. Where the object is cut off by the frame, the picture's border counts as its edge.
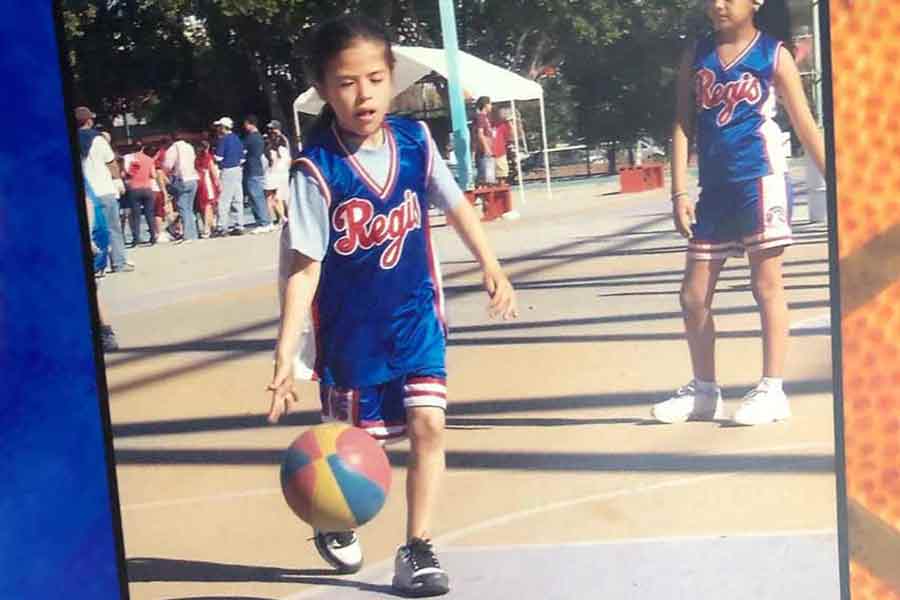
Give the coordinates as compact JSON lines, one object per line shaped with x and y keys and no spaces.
{"x":277,"y":164}
{"x":207,"y":189}
{"x":358,"y":249}
{"x":727,"y":89}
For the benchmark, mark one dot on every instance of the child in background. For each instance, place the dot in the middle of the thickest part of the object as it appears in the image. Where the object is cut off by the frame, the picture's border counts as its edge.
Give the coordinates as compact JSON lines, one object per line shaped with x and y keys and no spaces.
{"x":727,"y":93}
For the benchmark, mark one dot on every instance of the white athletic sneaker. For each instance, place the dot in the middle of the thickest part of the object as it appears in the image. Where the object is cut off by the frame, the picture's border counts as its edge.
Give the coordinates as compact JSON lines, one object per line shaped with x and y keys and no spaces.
{"x":417,"y":572}
{"x":340,"y":549}
{"x":689,"y":404}
{"x":763,"y":406}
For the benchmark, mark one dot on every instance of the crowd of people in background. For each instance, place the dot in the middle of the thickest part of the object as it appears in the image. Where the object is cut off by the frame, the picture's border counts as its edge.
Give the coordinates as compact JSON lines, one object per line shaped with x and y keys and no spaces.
{"x":182,"y":187}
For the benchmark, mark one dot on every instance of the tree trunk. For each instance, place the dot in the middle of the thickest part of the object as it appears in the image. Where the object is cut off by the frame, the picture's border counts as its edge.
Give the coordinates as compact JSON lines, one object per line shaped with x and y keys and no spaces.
{"x":268,"y":88}
{"x":611,"y":158}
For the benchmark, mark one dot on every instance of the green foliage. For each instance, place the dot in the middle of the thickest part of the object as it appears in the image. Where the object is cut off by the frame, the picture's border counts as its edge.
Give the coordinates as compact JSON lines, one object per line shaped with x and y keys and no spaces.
{"x":607,"y":66}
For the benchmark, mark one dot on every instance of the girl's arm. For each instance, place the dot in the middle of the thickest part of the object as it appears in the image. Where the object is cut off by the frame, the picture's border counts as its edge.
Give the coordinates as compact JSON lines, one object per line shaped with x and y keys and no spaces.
{"x":302,"y":280}
{"x":682,"y":205}
{"x":787,"y":81}
{"x":503,"y":299}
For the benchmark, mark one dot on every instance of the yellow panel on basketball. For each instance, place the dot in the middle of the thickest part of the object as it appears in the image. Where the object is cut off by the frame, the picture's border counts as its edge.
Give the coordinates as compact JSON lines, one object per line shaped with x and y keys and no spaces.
{"x":333,"y":513}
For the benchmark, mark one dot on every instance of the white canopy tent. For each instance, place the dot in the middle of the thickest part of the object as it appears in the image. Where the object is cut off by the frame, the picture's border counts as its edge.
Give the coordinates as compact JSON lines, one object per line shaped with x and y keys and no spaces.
{"x":479,"y":78}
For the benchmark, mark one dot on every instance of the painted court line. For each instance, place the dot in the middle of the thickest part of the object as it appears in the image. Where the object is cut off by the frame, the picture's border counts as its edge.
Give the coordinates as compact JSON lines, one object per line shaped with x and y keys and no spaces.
{"x":236,"y":495}
{"x":374,"y":572}
{"x":786,"y":533}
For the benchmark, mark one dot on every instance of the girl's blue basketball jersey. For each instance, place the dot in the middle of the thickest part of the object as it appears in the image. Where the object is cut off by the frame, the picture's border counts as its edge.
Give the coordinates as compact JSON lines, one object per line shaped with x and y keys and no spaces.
{"x":737,"y":138}
{"x":378,"y":311}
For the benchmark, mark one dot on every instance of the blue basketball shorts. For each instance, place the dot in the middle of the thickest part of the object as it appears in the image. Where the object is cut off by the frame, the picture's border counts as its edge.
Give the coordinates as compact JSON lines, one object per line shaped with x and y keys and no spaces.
{"x":381,"y":409}
{"x":749,"y":216}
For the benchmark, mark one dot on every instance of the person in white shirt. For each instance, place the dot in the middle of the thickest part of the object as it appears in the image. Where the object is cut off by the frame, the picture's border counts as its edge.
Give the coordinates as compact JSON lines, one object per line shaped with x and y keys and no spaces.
{"x":179,"y":162}
{"x":277,"y":163}
{"x":99,"y":166}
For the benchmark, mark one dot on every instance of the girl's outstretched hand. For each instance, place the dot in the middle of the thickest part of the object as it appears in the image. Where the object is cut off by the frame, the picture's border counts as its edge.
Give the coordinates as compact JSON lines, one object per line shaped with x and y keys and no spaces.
{"x":282,"y":388}
{"x":503,"y":297}
{"x":683,"y":215}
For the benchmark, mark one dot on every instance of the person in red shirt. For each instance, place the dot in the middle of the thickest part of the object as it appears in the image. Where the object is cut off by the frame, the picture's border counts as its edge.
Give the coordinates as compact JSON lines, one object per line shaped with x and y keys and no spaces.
{"x":482,"y":143}
{"x":502,"y":135}
{"x":207,"y":199}
{"x":140,"y":172}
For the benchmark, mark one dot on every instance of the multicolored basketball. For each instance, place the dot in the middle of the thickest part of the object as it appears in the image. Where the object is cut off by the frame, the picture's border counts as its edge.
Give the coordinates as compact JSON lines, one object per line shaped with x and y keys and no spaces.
{"x":335,"y":477}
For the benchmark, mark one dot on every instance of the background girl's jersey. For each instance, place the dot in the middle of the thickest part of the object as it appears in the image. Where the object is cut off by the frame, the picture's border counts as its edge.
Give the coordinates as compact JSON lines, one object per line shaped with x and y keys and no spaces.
{"x":737,"y":138}
{"x":378,"y":310}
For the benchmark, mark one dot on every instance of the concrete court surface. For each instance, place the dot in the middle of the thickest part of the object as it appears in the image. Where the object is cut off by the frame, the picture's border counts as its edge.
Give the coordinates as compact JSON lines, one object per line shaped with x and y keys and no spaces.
{"x":558,"y":485}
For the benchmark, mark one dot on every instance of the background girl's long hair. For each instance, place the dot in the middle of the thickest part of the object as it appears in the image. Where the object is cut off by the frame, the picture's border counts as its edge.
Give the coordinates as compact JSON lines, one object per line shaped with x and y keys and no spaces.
{"x":774,"y":18}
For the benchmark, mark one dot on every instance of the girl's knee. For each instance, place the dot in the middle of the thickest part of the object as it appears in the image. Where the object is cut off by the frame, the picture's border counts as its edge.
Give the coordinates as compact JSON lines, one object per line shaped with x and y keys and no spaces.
{"x":693,"y":301}
{"x":767,"y":287}
{"x":766,"y":291}
{"x":425,"y":424}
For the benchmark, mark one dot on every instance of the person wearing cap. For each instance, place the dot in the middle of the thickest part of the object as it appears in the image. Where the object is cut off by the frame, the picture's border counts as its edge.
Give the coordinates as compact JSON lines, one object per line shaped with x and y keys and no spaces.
{"x":255,"y":174}
{"x":100,"y":169}
{"x":276,"y":134}
{"x":229,"y":155}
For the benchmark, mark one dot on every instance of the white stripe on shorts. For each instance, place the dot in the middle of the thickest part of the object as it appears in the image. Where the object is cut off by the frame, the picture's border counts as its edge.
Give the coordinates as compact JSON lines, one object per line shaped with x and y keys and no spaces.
{"x":436,"y":388}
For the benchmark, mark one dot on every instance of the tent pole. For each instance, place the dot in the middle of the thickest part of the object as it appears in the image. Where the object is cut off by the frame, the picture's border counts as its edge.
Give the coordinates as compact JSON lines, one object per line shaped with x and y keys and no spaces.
{"x":518,"y":154}
{"x":458,"y":119}
{"x":546,"y":149}
{"x":297,"y":141}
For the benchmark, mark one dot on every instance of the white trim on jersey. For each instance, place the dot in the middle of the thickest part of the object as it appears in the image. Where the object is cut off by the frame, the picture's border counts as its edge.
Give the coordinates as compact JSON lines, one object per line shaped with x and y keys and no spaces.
{"x":360,"y":170}
{"x":320,"y":180}
{"x":736,"y":60}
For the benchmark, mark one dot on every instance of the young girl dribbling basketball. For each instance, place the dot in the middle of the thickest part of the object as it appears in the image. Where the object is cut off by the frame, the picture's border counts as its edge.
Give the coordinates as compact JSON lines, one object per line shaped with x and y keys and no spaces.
{"x":357,"y":247}
{"x":727,"y":87}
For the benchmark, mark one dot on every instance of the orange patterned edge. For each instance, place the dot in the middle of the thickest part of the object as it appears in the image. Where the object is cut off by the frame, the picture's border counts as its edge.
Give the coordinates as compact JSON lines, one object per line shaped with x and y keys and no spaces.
{"x":865,"y":52}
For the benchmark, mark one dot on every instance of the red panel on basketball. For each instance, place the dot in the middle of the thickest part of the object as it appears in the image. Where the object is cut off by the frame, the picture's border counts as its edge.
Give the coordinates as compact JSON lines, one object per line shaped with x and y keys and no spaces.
{"x":363,"y":454}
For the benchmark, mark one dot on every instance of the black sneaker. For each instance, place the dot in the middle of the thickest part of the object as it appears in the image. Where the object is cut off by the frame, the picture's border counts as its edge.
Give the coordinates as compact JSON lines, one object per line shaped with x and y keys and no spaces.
{"x":236,"y":231}
{"x":340,"y":549}
{"x":417,"y":572}
{"x":108,"y":339}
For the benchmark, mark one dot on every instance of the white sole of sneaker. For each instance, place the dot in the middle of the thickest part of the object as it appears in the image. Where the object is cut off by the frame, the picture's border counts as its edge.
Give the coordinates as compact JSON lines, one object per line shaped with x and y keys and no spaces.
{"x":423,"y":591}
{"x":778,"y":418}
{"x":718,"y":414}
{"x":341,"y":568}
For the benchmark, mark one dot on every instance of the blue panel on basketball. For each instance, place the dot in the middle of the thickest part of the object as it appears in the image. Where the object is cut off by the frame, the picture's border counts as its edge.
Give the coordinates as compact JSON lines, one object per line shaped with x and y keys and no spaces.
{"x":364,"y":497}
{"x":294,"y":460}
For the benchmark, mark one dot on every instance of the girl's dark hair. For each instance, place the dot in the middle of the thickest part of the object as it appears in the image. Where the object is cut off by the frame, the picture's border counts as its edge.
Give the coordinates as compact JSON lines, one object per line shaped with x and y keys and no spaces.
{"x":774,"y":18}
{"x":331,"y":38}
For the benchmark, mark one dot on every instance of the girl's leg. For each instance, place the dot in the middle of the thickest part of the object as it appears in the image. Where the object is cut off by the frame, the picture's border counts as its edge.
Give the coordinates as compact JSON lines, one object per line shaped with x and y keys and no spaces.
{"x":417,"y":569}
{"x":270,"y":202}
{"x":700,"y":400}
{"x":279,"y":209}
{"x":767,"y":402}
{"x":768,"y":290}
{"x":208,"y":219}
{"x":426,"y":466}
{"x":697,"y":292}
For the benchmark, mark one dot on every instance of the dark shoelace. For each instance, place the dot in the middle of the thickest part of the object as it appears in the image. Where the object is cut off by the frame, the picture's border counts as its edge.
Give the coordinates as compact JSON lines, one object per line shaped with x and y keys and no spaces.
{"x":421,"y":555}
{"x":343,"y":538}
